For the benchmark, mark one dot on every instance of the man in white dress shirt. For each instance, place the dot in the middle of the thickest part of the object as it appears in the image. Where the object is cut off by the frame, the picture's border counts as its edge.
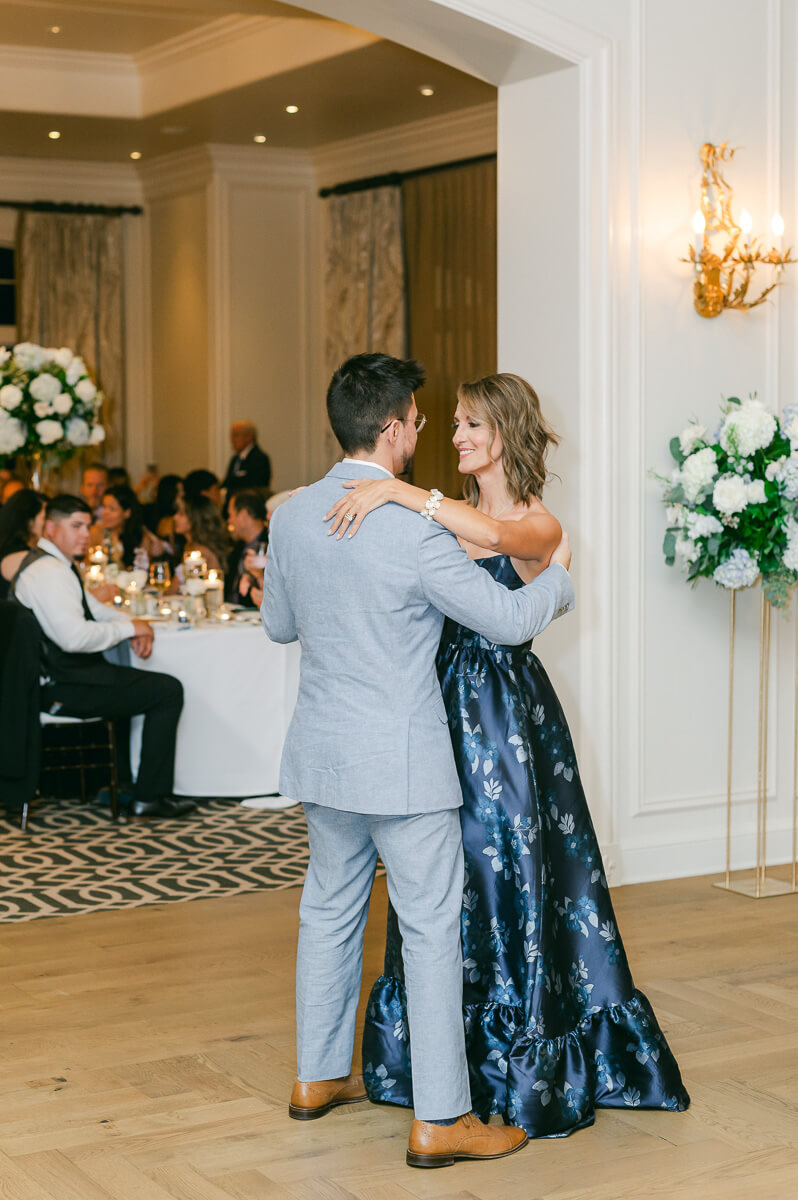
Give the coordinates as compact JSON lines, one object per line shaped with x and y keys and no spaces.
{"x":76,"y":629}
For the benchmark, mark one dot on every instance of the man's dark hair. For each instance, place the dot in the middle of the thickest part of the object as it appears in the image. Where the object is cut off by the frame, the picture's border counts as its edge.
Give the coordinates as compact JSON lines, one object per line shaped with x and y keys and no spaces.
{"x":117,"y":476}
{"x":251,"y":502}
{"x":64,"y":506}
{"x":197,"y":482}
{"x":96,"y":466}
{"x":368,"y":391}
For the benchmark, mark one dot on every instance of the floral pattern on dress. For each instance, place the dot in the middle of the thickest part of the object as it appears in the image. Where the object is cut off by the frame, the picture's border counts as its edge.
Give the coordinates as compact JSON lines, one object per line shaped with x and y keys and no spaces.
{"x":554,"y":1025}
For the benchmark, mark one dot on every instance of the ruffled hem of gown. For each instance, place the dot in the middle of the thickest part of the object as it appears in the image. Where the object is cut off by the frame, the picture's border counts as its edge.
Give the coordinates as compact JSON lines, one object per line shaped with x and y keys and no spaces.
{"x":615,"y":1057}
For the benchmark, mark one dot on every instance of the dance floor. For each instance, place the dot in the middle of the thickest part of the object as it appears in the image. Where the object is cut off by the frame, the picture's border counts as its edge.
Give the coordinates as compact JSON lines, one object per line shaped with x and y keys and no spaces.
{"x":148,"y":1053}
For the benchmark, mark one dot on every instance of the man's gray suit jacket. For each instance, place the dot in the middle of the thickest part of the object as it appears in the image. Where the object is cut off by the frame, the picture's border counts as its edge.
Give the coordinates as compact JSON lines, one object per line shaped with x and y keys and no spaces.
{"x":369,"y":733}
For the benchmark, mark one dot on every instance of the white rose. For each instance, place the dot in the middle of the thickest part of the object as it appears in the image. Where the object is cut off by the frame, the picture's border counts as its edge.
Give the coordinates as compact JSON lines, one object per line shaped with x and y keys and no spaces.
{"x":703,"y":524}
{"x":772,"y":469}
{"x":12,"y":433}
{"x":97,"y":435}
{"x":77,"y":432}
{"x":49,"y":432}
{"x":747,"y":427}
{"x":755,"y":492}
{"x":28,"y":356}
{"x":44,"y":387}
{"x":75,"y":371}
{"x":691,"y":436}
{"x":62,"y":403}
{"x":729,"y":494}
{"x":686,"y":549}
{"x":698,"y":471}
{"x":42,"y":408}
{"x":85,"y":390}
{"x":63,"y":357}
{"x":10,"y":396}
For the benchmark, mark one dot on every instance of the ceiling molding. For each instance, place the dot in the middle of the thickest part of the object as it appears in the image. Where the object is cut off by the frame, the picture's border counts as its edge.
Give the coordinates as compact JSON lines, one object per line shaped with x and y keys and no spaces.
{"x":256,"y":166}
{"x":69,"y":181}
{"x":214,"y":34}
{"x":424,"y":143}
{"x":68,"y":81}
{"x":176,"y":174}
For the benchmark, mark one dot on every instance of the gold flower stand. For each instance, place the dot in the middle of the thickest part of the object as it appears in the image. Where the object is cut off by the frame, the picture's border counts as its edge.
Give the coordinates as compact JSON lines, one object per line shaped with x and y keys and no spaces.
{"x":760,"y":884}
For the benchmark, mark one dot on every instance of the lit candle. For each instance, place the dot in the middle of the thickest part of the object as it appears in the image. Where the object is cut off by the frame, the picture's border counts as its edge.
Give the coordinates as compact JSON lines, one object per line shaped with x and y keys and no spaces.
{"x":699,"y":225}
{"x":213,"y":576}
{"x":746,"y":224}
{"x":224,"y":616}
{"x":95,"y":574}
{"x":777,"y":225}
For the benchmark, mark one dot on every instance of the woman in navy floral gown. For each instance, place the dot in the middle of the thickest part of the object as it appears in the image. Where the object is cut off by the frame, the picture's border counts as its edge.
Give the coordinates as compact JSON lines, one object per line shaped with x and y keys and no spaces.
{"x":554,"y":1024}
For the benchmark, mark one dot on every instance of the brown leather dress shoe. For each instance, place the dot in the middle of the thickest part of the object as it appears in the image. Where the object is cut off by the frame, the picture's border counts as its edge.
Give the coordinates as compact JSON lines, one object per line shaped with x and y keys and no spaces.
{"x":309,"y":1101}
{"x":441,"y":1145}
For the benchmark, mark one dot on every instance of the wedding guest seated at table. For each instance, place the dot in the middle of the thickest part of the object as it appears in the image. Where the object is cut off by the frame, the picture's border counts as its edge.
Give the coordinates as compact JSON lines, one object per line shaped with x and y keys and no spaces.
{"x":247,"y":524}
{"x":21,"y":526}
{"x":160,"y":515}
{"x":93,"y":487}
{"x":76,"y":629}
{"x":121,"y":530}
{"x":200,"y":522}
{"x":202,"y":483}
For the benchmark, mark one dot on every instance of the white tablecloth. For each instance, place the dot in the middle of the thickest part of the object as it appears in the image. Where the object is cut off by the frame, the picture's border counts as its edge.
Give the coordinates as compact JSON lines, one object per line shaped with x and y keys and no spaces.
{"x":240,"y":690}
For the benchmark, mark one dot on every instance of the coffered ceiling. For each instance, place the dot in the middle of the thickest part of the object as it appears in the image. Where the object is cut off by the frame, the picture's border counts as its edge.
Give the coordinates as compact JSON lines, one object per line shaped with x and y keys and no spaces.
{"x":146,"y":77}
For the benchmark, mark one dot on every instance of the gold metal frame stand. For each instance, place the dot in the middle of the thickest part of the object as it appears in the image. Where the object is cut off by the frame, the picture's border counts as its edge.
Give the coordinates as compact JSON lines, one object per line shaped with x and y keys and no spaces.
{"x":760,"y":884}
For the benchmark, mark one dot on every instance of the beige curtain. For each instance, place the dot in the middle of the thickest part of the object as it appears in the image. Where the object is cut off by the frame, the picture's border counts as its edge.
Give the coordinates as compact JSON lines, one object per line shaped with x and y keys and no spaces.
{"x":70,"y":294}
{"x":365,"y":279}
{"x":450,"y":247}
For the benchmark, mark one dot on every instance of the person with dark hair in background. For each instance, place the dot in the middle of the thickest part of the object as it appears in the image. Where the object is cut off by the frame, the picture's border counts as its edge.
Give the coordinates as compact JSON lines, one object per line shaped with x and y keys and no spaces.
{"x":202,"y":483}
{"x":93,"y":486}
{"x":200,"y":523}
{"x":250,"y":466}
{"x":76,"y":629}
{"x":247,"y":524}
{"x":121,"y":528}
{"x":118,"y":477}
{"x":21,"y":526}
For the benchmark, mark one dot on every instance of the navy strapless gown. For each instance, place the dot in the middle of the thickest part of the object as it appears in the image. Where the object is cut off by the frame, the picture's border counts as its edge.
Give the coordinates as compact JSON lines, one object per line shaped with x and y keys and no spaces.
{"x":554,"y":1024}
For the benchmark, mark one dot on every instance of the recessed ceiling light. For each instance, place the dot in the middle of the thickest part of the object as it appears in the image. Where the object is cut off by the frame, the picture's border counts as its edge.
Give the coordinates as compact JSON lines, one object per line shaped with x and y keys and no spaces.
{"x":54,"y":135}
{"x":53,"y":28}
{"x":135,"y":154}
{"x":426,"y":90}
{"x":260,"y":138}
{"x":174,"y":130}
{"x":291,"y":108}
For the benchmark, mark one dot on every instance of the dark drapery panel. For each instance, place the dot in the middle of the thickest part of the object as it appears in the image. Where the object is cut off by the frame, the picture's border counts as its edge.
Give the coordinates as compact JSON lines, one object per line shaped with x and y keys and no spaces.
{"x":450,"y":249}
{"x":70,"y":294}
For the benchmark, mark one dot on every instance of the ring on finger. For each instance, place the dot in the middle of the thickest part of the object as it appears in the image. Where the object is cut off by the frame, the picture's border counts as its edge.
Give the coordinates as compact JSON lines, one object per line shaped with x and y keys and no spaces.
{"x":350,"y":516}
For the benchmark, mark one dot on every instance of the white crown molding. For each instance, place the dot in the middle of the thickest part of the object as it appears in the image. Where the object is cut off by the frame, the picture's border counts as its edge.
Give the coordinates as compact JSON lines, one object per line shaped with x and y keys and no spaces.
{"x":259,"y":166}
{"x":424,"y":143}
{"x":214,"y":34}
{"x":68,"y":81}
{"x":175,"y":174}
{"x":30,"y":179}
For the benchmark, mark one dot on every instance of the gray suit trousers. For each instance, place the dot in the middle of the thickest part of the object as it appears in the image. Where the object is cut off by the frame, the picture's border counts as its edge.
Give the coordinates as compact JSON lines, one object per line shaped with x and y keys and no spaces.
{"x":423,"y":857}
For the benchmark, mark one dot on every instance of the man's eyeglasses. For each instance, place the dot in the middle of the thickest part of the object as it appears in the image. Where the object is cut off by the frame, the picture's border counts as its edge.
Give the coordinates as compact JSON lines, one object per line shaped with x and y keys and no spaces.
{"x":419,"y":422}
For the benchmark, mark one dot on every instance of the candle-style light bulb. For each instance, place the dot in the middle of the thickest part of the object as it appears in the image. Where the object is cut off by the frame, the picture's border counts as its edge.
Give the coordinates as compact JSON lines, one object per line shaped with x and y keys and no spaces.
{"x":777,"y":224}
{"x":699,"y":225}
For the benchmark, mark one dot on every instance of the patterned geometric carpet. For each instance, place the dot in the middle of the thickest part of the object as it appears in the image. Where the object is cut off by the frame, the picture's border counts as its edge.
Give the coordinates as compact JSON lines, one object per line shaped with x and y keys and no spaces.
{"x":74,"y":860}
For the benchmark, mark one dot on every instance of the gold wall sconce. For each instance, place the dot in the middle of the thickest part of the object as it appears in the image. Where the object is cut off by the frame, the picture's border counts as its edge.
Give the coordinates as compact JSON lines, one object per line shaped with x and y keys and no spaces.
{"x":723,"y":280}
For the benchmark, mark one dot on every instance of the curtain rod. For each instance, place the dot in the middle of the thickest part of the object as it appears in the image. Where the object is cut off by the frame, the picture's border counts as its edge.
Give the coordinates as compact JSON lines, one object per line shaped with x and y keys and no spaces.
{"x":98,"y":210}
{"x":394,"y":178}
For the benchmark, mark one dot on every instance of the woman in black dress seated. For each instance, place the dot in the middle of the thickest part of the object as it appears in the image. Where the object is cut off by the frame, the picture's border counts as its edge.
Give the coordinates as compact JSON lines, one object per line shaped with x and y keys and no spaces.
{"x":21,"y":526}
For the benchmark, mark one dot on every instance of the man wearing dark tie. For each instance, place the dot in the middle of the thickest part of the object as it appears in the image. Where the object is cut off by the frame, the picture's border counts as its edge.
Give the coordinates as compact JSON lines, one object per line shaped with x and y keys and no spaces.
{"x":249,"y":467}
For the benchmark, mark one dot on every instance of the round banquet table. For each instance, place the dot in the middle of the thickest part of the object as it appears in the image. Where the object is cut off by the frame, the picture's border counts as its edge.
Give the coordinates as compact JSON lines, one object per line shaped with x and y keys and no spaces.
{"x":239,"y":695}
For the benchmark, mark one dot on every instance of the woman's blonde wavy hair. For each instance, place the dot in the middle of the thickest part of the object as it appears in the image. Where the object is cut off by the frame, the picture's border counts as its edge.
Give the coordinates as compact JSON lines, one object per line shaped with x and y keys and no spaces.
{"x":510,"y":407}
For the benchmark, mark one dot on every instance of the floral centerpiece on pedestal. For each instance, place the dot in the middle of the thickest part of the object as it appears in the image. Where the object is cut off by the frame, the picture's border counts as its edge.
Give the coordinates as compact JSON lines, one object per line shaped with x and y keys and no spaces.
{"x":49,"y":407}
{"x":732,"y":500}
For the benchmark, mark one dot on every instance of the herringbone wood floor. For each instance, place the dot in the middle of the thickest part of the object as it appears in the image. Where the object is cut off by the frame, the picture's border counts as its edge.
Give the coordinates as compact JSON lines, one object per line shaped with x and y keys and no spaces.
{"x":148,"y":1055}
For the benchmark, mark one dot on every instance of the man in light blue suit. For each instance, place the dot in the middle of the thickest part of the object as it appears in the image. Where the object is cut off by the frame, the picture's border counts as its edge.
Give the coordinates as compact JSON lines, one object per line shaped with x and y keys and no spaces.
{"x":369,"y":756}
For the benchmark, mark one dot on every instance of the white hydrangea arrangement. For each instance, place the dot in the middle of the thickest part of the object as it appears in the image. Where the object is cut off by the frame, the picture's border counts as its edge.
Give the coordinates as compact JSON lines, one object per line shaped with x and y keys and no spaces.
{"x":48,"y":404}
{"x":732,"y":501}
